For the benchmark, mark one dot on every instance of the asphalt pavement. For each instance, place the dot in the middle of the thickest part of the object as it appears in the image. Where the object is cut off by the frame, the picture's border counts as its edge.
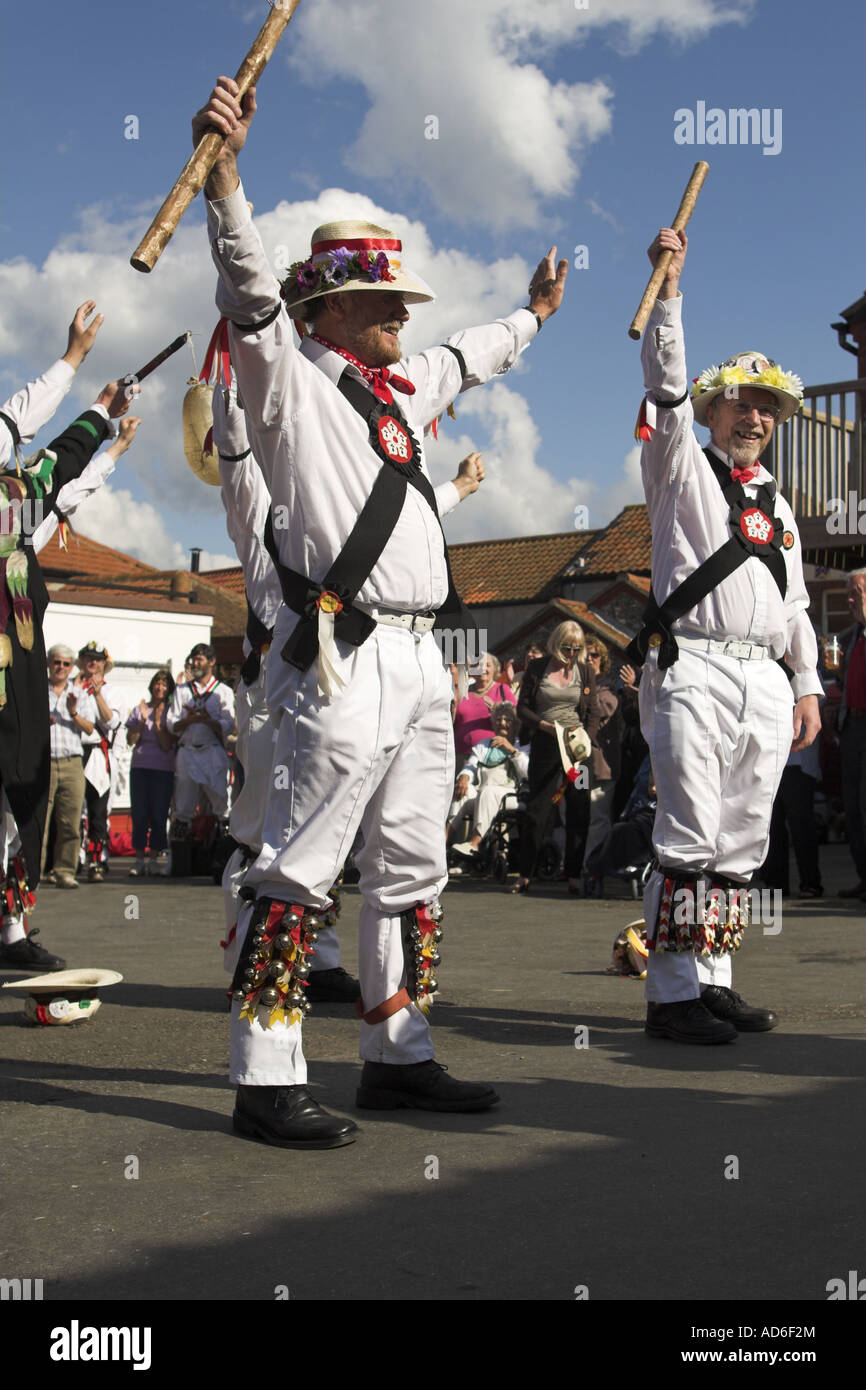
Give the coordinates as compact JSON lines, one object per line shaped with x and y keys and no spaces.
{"x":609,"y":1170}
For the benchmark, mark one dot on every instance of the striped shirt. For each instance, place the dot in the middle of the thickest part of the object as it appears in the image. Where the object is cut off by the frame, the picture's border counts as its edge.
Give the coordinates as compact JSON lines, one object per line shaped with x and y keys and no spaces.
{"x":65,"y":733}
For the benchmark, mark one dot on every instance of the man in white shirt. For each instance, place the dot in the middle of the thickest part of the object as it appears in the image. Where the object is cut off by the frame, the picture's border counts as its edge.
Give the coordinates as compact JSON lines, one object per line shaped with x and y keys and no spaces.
{"x":717,"y":710}
{"x":94,"y":664}
{"x":202,"y":716}
{"x":357,"y":687}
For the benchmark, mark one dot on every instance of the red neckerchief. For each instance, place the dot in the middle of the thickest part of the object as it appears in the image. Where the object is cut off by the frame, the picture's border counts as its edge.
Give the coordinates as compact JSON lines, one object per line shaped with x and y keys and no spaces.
{"x":377,"y":378}
{"x":200,"y":696}
{"x":745,"y":475}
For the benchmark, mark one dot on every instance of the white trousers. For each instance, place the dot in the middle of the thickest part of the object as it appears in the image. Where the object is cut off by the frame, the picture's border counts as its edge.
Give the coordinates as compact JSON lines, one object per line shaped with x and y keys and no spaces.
{"x":379,"y":758}
{"x":255,"y":751}
{"x":719,"y":732}
{"x":201,"y":782}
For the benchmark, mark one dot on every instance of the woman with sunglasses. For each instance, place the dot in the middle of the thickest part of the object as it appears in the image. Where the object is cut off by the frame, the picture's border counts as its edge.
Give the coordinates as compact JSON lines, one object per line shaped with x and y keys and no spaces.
{"x":558,"y":688}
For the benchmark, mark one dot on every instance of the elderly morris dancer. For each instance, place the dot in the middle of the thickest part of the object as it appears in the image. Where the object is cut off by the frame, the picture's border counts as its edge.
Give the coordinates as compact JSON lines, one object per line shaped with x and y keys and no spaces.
{"x":356,"y":682}
{"x":728,"y":601}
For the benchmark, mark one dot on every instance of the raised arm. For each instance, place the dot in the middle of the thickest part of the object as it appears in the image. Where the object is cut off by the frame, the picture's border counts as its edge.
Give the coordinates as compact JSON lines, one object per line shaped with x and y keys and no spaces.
{"x":24,"y":414}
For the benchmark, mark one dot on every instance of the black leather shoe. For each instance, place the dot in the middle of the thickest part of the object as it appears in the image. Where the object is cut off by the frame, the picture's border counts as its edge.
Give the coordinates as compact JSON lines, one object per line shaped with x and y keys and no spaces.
{"x":688,"y":1021}
{"x":288,"y":1117}
{"x":419,"y":1086}
{"x":332,"y":987}
{"x":27,"y":955}
{"x":725,"y":1004}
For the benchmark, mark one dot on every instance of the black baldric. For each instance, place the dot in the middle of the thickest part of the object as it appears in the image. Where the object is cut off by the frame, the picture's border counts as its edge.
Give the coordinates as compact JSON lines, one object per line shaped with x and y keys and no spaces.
{"x":367,"y":539}
{"x":658,"y":619}
{"x":11,"y":427}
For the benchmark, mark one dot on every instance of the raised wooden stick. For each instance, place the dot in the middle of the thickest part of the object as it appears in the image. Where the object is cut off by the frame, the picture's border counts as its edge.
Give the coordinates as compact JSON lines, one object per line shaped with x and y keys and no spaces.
{"x":686,"y":208}
{"x":194,"y":174}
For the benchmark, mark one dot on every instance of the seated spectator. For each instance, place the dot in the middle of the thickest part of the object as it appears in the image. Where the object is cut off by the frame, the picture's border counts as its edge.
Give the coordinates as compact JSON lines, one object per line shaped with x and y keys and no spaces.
{"x":629,"y":842}
{"x":495,"y":767}
{"x":472,"y":717}
{"x":152,"y":775}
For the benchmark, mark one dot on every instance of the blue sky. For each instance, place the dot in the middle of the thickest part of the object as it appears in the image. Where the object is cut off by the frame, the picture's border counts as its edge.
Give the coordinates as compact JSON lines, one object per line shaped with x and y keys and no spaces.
{"x":555,"y":124}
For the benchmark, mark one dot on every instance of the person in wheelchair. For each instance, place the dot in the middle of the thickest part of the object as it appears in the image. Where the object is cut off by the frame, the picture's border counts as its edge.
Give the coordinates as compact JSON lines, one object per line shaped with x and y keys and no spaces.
{"x":494,"y":771}
{"x":627,"y":850}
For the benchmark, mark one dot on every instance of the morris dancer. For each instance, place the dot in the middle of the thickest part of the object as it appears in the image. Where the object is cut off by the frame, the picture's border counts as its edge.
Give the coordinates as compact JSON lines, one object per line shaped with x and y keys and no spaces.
{"x":94,"y":664}
{"x":728,"y":601}
{"x":246,"y":503}
{"x":201,"y":716}
{"x":359,"y":694}
{"x":25,"y":765}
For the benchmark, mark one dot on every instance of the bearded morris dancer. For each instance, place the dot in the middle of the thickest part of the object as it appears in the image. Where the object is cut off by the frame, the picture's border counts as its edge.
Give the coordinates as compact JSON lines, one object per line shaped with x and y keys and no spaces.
{"x":201,"y":716}
{"x":94,"y":664}
{"x":728,"y":601}
{"x":246,"y":503}
{"x":356,"y":687}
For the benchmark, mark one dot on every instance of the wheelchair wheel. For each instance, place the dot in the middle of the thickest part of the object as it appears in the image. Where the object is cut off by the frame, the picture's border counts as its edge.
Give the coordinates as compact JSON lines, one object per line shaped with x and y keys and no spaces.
{"x":500,"y":868}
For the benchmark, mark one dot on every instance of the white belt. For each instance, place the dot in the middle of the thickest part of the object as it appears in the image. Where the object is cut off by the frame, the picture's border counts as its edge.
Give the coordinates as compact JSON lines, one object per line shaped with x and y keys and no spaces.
{"x":414,"y":622}
{"x":741,"y":651}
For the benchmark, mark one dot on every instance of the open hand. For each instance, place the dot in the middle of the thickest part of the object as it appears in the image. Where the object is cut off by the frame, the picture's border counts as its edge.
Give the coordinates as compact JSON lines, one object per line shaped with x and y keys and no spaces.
{"x":82,"y":335}
{"x":547,"y":286}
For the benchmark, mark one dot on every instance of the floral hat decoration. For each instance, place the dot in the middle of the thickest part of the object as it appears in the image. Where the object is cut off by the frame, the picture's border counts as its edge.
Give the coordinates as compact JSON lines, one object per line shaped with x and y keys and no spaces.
{"x":351,"y":255}
{"x":747,"y":369}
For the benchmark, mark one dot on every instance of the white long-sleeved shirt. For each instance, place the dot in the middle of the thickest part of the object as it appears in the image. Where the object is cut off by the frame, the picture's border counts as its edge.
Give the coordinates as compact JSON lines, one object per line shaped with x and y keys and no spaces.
{"x":217,"y":701}
{"x":72,"y":494}
{"x":689,"y":519}
{"x":246,"y":500}
{"x":313,"y":448}
{"x":33,"y":406}
{"x":66,"y":737}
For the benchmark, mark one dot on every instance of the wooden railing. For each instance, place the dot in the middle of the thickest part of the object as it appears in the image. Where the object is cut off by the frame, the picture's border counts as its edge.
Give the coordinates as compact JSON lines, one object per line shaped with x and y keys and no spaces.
{"x":819,"y":454}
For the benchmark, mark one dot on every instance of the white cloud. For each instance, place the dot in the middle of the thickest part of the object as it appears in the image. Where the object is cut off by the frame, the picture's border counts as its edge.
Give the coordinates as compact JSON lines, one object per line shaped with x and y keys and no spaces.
{"x":508,"y":135}
{"x":113,"y":517}
{"x":519,"y":496}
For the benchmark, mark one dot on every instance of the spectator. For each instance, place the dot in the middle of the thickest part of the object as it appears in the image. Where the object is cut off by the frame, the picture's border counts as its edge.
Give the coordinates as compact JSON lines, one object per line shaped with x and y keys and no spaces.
{"x":472,"y":719}
{"x":606,"y":750}
{"x":794,"y":812}
{"x":496,"y":766}
{"x":71,"y":713}
{"x":633,"y":749}
{"x":557,"y":689}
{"x":152,"y":774}
{"x":94,"y":664}
{"x":201,"y":716}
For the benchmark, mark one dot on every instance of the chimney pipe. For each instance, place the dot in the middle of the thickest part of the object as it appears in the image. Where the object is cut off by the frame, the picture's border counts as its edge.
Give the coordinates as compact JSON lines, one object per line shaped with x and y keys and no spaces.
{"x":194,"y":558}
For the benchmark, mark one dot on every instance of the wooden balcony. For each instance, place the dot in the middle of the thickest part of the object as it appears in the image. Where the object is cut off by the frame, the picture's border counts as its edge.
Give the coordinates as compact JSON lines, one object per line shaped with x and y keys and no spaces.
{"x":818,"y":458}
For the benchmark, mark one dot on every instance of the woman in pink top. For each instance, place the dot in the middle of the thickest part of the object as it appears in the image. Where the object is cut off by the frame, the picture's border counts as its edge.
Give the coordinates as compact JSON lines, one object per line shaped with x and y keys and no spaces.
{"x":472,"y":718}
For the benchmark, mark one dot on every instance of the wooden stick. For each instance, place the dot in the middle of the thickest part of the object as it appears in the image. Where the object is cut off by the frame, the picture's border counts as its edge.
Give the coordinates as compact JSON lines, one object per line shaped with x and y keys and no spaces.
{"x":686,"y":208}
{"x":194,"y":174}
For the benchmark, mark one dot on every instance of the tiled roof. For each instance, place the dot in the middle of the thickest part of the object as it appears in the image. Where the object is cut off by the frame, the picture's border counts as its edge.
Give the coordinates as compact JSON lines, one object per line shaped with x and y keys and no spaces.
{"x":232,"y":580}
{"x":86,"y":559}
{"x":518,"y":569}
{"x":623,"y":545}
{"x":153,"y":592}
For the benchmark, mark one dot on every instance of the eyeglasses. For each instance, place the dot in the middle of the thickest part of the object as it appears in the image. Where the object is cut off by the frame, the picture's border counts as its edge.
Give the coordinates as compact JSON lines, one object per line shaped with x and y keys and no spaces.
{"x":567,"y":648}
{"x":55,"y":661}
{"x":767,"y":413}
{"x":594,"y":656}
